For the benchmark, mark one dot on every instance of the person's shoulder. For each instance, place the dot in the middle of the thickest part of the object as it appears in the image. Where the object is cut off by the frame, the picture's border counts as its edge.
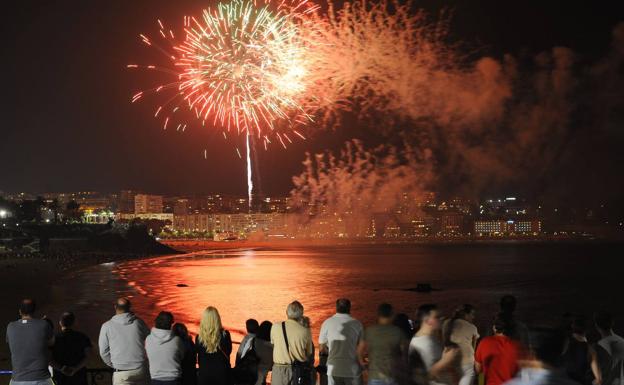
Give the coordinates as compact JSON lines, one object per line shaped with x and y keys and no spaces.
{"x":488,"y":341}
{"x":107,"y":323}
{"x":82,"y":335}
{"x":140,"y":321}
{"x":422,"y":341}
{"x":40,"y":324}
{"x":467,"y":324}
{"x":327,"y":322}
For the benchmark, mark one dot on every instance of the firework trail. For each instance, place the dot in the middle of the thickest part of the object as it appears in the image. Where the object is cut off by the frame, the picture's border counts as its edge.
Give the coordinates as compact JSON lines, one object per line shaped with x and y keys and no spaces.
{"x":249,"y":176}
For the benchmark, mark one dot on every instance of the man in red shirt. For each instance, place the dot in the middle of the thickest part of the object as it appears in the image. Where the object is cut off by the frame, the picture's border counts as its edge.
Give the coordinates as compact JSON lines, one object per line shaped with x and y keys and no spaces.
{"x":497,"y":356}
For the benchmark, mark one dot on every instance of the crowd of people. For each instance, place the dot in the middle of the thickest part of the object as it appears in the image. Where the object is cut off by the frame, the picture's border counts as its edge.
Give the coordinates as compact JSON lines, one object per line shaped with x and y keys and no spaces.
{"x":396,"y":350}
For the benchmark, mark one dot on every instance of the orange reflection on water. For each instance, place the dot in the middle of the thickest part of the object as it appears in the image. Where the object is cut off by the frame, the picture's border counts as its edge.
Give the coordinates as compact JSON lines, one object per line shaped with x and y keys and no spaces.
{"x":242,"y":284}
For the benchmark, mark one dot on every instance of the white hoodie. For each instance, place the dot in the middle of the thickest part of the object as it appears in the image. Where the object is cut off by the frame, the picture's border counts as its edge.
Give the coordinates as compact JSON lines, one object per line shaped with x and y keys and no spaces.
{"x":165,"y":352}
{"x":122,"y":340}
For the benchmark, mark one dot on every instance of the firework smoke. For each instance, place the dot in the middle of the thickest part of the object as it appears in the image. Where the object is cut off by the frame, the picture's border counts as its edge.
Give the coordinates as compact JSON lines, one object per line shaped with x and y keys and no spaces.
{"x":487,"y":125}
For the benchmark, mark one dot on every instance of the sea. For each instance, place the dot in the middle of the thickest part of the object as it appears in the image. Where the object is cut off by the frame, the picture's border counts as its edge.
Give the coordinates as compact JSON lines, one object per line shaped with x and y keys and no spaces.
{"x":549,"y":280}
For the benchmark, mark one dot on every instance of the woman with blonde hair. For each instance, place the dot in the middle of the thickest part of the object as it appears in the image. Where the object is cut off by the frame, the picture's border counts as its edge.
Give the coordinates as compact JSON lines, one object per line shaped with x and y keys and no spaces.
{"x":213,"y":345}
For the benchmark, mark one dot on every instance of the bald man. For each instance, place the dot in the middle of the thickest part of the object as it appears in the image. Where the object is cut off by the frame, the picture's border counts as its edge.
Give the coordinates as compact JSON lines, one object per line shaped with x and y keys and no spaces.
{"x":122,"y":345}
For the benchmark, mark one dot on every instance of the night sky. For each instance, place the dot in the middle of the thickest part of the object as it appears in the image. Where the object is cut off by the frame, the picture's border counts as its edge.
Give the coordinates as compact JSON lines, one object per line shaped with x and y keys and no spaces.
{"x":67,"y":122}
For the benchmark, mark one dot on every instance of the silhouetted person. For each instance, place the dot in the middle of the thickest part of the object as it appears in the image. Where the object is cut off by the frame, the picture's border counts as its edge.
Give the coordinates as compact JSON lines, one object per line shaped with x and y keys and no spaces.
{"x":70,"y":353}
{"x":214,"y":346}
{"x":517,"y":330}
{"x":339,"y":337}
{"x":497,"y":355}
{"x":541,"y":365}
{"x":165,"y":351}
{"x":441,"y":362}
{"x":609,"y":350}
{"x":189,"y":360}
{"x":264,"y":351}
{"x":402,"y":321}
{"x":383,"y":348}
{"x":29,"y":341}
{"x":580,"y":360}
{"x":122,"y":345}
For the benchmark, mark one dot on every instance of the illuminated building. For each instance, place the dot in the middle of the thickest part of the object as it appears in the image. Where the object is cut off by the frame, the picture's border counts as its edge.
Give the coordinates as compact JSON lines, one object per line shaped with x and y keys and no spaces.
{"x":125,"y":201}
{"x":239,"y":224}
{"x":158,"y":216}
{"x":508,"y":227}
{"x":144,"y":204}
{"x":451,"y":223}
{"x":181,"y":207}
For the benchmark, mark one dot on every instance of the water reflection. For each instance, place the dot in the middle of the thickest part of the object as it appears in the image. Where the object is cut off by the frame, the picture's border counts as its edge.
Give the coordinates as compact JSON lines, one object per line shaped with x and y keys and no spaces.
{"x":242,"y":284}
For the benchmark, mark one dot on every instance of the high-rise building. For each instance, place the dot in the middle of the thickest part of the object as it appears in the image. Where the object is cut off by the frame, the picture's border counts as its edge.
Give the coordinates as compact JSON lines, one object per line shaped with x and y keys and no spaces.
{"x":144,"y":203}
{"x":181,"y":207}
{"x":125,"y":201}
{"x":452,"y":223}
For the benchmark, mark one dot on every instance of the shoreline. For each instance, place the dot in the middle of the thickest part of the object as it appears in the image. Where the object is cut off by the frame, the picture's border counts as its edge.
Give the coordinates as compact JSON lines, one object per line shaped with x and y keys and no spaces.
{"x":33,"y":275}
{"x":192,"y":245}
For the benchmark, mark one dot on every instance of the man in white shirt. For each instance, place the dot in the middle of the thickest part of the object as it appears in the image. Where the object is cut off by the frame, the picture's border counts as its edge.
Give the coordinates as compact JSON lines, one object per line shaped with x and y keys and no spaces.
{"x":339,"y":337}
{"x":610,"y":351}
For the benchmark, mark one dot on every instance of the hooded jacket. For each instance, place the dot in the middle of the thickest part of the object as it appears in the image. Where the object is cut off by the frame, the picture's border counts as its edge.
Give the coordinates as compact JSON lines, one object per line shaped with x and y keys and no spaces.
{"x":122,"y":342}
{"x":165,"y":352}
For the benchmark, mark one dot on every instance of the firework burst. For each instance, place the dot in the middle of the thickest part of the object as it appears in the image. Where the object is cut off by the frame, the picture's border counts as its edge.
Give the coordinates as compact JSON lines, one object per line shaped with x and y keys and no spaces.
{"x":240,"y":68}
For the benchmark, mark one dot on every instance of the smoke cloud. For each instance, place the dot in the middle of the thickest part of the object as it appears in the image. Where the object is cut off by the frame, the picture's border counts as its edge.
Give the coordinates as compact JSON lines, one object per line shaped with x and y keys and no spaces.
{"x":548,"y":129}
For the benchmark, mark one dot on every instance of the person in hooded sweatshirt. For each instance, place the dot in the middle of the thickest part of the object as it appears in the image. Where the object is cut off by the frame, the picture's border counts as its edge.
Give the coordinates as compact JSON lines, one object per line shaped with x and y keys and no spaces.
{"x":122,"y":345}
{"x":165,"y":352}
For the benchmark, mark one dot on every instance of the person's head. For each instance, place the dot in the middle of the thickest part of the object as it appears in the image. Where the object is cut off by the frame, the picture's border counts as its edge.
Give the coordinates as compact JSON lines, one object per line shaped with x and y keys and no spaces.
{"x":210,"y":329}
{"x":305,"y":322}
{"x":384,"y":313}
{"x":508,"y":304}
{"x":49,"y":322}
{"x":67,"y":320}
{"x":343,"y":306}
{"x":122,"y":305}
{"x":164,"y":320}
{"x":501,"y":325}
{"x":546,"y":346}
{"x":402,"y":321}
{"x":264,"y":331}
{"x":604,"y":322}
{"x":180,"y":330}
{"x":579,"y":325}
{"x":252,"y":326}
{"x":27,"y":307}
{"x":465,"y":312}
{"x":294,"y":311}
{"x":428,"y":317}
